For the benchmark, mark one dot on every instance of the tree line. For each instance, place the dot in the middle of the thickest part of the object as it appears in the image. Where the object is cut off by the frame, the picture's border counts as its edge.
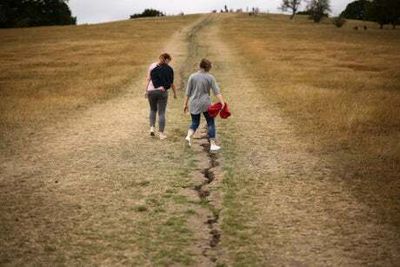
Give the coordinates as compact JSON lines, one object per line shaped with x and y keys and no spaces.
{"x":27,"y":13}
{"x":381,"y":11}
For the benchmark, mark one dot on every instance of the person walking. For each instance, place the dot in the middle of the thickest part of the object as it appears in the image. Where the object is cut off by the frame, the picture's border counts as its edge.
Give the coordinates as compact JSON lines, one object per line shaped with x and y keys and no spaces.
{"x":198,"y":99}
{"x":160,"y":79}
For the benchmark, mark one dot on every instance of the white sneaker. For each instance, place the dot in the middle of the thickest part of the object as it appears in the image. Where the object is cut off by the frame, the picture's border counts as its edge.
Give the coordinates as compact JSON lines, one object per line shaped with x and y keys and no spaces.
{"x":188,"y":140}
{"x":152,"y":131}
{"x":214,"y":147}
{"x":189,"y":137}
{"x":162,"y":136}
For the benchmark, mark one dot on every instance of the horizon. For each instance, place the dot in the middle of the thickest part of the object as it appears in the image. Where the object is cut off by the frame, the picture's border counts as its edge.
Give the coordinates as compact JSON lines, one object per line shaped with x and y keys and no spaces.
{"x":100,"y":11}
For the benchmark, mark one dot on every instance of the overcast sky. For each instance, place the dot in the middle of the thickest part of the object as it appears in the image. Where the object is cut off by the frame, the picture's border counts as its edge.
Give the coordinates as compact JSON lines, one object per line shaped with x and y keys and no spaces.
{"x":95,"y":11}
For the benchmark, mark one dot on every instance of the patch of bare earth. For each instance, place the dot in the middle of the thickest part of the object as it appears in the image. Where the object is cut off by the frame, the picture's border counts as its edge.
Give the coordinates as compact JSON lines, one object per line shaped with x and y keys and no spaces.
{"x":206,"y":175}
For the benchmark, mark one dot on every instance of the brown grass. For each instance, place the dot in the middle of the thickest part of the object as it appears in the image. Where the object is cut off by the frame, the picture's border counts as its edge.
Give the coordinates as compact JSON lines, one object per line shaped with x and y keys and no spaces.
{"x":312,"y":151}
{"x":47,"y":72}
{"x":88,"y":186}
{"x":310,"y":156}
{"x":339,"y":86}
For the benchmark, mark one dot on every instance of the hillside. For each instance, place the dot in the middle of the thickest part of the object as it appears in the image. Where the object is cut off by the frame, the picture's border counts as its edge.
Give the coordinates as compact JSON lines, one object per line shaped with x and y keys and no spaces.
{"x":308,"y":173}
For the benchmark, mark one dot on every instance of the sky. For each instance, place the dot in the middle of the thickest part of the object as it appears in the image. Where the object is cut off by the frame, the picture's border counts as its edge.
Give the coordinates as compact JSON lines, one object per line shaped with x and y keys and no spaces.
{"x":97,"y":11}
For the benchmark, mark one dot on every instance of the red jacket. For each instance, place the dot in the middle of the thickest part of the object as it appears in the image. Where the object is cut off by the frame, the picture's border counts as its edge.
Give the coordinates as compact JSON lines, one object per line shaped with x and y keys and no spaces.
{"x":216,"y":108}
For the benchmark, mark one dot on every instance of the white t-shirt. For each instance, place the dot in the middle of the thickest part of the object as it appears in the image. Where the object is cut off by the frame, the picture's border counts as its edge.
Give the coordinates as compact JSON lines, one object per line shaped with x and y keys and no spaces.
{"x":150,"y":87}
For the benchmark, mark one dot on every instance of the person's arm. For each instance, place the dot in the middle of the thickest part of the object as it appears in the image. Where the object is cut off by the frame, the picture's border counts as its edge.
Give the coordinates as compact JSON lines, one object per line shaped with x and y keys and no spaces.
{"x":145,"y":88}
{"x":185,"y":104}
{"x":148,"y":79}
{"x":174,"y":90}
{"x":221,"y":99}
{"x":172,"y":82}
{"x":187,"y":95}
{"x":217,"y":91}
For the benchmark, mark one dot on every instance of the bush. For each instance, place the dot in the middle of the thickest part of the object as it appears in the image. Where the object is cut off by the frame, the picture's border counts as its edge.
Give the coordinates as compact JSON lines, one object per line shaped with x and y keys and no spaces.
{"x":338,"y":21}
{"x":304,"y":12}
{"x":148,"y":13}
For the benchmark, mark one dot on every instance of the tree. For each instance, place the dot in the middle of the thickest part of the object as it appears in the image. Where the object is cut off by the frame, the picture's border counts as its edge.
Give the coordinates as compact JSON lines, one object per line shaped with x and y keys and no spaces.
{"x":381,"y":11}
{"x":26,"y":13}
{"x":291,"y":5}
{"x":318,"y":9}
{"x":356,"y":10}
{"x":385,"y":12}
{"x":56,"y":12}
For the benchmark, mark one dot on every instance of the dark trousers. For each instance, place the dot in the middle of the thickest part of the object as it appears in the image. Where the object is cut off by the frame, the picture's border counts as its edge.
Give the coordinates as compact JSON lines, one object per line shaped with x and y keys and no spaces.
{"x":210,"y":124}
{"x":158,"y":103}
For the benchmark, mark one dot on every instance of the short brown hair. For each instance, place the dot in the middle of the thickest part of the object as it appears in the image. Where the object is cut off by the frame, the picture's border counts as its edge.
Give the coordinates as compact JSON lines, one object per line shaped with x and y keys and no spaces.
{"x":165,"y":56}
{"x":205,"y":64}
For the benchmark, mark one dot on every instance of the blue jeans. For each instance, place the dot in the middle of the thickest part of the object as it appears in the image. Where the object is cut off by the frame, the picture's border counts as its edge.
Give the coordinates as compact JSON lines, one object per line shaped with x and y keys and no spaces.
{"x":210,"y":124}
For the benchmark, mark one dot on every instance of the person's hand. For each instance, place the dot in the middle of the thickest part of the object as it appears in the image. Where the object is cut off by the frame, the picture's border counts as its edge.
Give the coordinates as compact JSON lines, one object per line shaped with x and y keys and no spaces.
{"x":175,"y":97}
{"x":223,"y":105}
{"x":185,"y":109}
{"x":146,"y":95}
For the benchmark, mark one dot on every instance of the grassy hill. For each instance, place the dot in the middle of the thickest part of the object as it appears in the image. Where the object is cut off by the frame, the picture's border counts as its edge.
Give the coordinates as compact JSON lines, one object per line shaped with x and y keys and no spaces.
{"x":308,"y":174}
{"x":340,"y":89}
{"x":340,"y":86}
{"x":46,"y":72}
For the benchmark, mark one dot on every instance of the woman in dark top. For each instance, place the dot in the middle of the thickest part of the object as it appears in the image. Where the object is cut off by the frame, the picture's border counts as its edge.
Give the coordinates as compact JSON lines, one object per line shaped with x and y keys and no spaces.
{"x":160,"y":79}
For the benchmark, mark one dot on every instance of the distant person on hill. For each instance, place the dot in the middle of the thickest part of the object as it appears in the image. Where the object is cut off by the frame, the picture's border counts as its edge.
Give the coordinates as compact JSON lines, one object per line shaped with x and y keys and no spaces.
{"x":160,"y":79}
{"x":198,"y":90}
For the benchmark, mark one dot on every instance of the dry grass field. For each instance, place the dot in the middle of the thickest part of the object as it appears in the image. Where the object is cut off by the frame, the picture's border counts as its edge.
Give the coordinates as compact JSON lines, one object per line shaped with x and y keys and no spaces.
{"x":339,"y":92}
{"x":80,"y":182}
{"x":340,"y":85}
{"x":47,"y":72}
{"x":308,"y":174}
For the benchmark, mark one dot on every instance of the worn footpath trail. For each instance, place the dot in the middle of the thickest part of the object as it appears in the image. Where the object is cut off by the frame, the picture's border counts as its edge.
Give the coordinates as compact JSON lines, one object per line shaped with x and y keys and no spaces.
{"x":97,"y":190}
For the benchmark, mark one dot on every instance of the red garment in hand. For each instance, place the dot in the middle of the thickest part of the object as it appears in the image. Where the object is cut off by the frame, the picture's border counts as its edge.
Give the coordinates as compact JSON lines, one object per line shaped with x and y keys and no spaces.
{"x":225,"y":113}
{"x":216,"y":108}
